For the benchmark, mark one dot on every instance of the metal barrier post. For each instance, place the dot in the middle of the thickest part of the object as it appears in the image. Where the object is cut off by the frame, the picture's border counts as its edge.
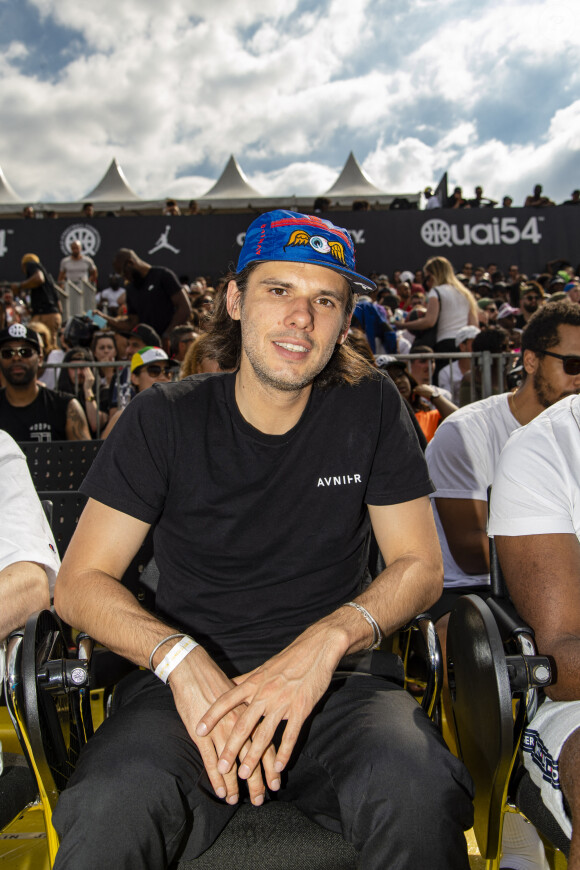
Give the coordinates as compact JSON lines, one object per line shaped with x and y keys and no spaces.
{"x":486,"y":374}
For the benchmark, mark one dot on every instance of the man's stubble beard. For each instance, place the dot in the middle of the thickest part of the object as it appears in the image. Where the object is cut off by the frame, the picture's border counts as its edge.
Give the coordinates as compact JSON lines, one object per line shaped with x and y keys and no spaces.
{"x":544,"y":393}
{"x":22,"y":380}
{"x":271,"y":379}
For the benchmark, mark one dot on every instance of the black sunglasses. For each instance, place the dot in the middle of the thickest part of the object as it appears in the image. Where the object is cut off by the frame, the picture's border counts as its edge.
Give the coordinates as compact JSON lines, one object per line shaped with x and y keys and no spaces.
{"x":24,"y":352}
{"x":571,"y":364}
{"x":155,"y":370}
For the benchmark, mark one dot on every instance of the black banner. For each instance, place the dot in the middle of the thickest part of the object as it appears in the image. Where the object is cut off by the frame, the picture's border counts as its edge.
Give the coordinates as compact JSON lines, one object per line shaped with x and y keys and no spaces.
{"x":209,"y":244}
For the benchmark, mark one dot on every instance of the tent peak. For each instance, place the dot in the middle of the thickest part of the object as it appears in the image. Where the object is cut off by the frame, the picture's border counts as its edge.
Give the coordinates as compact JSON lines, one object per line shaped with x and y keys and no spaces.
{"x":112,"y":186}
{"x":232,"y":183}
{"x":353,"y":181}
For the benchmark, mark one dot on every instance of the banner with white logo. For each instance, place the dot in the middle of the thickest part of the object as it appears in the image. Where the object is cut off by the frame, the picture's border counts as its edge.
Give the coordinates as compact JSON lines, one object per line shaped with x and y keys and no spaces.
{"x":384,"y":240}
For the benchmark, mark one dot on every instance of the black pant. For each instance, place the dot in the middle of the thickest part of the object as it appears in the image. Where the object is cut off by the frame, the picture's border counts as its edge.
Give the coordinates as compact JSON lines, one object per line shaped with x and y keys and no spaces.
{"x":370,"y":765}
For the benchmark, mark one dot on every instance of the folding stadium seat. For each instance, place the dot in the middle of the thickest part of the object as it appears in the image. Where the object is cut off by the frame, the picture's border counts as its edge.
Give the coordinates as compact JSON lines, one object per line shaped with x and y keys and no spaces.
{"x":495,"y":675}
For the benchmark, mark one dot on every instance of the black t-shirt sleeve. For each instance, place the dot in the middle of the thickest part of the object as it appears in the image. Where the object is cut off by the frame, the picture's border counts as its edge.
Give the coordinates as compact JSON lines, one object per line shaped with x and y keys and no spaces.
{"x":170,"y":283}
{"x":399,"y":471}
{"x":131,"y":471}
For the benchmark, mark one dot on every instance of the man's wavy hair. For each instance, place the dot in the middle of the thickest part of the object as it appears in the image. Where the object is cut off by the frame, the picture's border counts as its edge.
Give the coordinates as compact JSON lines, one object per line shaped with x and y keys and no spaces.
{"x":541,"y":331}
{"x":345,"y":366}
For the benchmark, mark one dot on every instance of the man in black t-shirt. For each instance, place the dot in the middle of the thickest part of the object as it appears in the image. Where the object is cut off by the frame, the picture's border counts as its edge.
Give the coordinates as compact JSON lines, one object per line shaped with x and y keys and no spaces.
{"x":262,"y":485}
{"x":44,"y":302}
{"x":28,"y":410}
{"x":154,"y":296}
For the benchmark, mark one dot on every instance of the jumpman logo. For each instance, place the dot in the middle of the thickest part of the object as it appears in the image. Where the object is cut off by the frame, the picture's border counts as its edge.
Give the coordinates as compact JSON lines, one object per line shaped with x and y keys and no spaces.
{"x":162,"y":242}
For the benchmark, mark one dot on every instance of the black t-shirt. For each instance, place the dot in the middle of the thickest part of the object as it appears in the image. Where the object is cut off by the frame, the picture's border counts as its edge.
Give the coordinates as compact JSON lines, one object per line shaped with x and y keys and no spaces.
{"x":44,"y":298}
{"x":257,"y":535}
{"x":43,"y":420}
{"x":150,"y":297}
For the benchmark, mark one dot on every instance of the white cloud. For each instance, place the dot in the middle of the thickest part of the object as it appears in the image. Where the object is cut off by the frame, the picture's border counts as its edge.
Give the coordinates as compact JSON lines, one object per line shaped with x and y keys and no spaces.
{"x":290,"y":87}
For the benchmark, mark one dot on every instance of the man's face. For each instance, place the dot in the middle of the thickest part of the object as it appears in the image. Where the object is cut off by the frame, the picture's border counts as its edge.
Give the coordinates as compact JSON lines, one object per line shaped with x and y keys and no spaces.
{"x":551,"y":383}
{"x":19,"y":371}
{"x":420,"y":369}
{"x":75,"y":250}
{"x":125,"y":266}
{"x":513,"y":272}
{"x":467,"y":269}
{"x":531,"y":301}
{"x":292,"y":316}
{"x":134,"y":343}
{"x":574,"y":293}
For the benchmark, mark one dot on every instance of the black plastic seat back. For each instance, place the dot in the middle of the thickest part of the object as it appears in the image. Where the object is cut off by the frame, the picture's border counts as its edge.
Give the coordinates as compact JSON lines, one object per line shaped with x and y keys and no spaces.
{"x":482,"y":710}
{"x":66,"y":510}
{"x":59,"y":465}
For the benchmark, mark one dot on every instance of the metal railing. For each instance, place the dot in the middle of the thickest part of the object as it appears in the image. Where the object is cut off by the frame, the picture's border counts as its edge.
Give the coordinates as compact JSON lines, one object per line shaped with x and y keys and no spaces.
{"x":77,"y":297}
{"x":487,"y":374}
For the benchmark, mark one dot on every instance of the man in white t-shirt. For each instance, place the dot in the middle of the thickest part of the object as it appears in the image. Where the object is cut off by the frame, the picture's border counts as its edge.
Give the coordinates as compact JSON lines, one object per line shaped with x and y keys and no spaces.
{"x":462,"y":459}
{"x":451,"y":375}
{"x":77,"y":266}
{"x":463,"y":455}
{"x":28,"y":557}
{"x":535,"y":519}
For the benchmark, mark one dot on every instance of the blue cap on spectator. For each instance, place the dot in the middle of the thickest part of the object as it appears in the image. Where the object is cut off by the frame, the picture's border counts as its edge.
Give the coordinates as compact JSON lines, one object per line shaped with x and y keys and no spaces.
{"x":299,"y":238}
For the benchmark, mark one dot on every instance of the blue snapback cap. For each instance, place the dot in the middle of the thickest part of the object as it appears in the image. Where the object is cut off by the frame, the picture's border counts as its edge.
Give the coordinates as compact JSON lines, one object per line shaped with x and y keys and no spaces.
{"x":301,"y":238}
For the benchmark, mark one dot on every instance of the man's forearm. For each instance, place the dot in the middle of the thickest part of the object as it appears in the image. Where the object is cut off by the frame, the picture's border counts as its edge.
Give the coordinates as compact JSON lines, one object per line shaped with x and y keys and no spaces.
{"x":123,"y":322}
{"x":406,"y":588}
{"x":95,"y":602}
{"x":23,"y":590}
{"x":565,"y":653}
{"x":464,"y":522}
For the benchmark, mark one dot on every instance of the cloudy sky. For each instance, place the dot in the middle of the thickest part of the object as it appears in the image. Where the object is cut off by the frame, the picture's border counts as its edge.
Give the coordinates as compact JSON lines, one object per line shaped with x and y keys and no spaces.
{"x":489,"y":91}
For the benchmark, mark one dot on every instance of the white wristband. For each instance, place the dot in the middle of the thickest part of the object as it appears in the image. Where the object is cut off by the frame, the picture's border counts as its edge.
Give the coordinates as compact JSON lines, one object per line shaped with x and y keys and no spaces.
{"x":174,"y":657}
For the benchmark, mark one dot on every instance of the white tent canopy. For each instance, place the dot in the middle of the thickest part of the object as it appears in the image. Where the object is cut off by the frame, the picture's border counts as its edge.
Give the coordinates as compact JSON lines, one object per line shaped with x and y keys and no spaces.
{"x":113,"y":187}
{"x":7,"y":192}
{"x":232,"y":191}
{"x":232,"y":184}
{"x":352,"y":181}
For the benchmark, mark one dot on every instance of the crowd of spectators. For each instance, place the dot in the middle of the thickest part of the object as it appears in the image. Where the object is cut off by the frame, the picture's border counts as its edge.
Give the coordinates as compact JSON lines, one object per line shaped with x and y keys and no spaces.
{"x":457,"y":199}
{"x":431,"y":199}
{"x":426,"y":313}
